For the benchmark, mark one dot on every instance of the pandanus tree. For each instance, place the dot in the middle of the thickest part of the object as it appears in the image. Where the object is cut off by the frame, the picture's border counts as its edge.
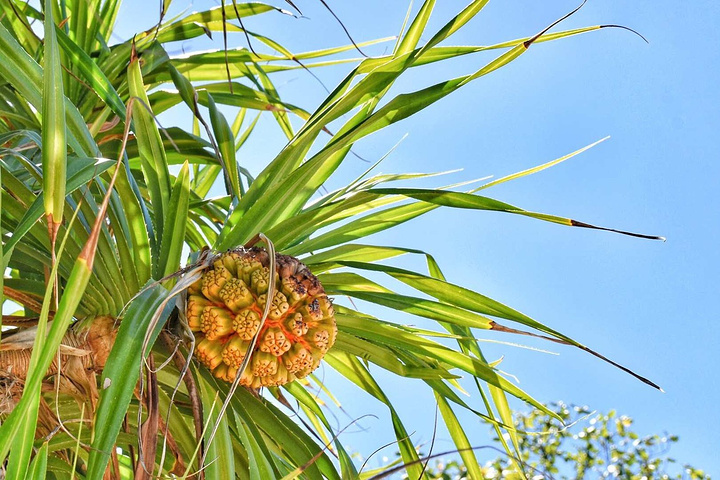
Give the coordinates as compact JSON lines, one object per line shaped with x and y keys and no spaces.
{"x":170,"y":306}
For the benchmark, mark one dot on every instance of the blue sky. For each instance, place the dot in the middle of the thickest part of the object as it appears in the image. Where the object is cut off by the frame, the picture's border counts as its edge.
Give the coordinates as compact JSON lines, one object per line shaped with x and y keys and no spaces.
{"x":648,"y":305}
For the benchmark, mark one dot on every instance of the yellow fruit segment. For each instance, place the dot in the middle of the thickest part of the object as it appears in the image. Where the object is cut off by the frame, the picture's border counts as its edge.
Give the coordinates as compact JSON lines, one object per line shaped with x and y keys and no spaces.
{"x":225,"y":308}
{"x":209,"y":353}
{"x":296,"y":324}
{"x":236,"y":295}
{"x":213,"y":281}
{"x":235,"y":351}
{"x":246,"y":324}
{"x":274,"y":341}
{"x":299,"y":358}
{"x":216,"y":322}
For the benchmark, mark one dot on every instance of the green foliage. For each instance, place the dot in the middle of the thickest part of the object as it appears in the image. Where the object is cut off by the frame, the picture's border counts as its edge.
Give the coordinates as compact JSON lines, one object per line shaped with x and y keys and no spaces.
{"x":593,"y":445}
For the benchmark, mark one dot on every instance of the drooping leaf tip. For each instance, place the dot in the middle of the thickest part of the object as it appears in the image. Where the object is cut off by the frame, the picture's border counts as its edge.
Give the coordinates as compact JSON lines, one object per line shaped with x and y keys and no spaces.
{"x":577,"y":223}
{"x":292,"y":4}
{"x":643,"y":379}
{"x":622,"y":27}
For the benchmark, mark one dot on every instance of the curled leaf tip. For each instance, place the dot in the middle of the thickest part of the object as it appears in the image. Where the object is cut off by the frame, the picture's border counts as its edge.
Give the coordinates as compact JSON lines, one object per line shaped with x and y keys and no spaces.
{"x":628,"y":29}
{"x":342,"y":25}
{"x":529,"y":42}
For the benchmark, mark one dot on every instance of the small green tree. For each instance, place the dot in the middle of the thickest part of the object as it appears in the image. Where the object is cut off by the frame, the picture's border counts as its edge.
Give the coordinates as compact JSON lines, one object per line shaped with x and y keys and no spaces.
{"x":594,"y":445}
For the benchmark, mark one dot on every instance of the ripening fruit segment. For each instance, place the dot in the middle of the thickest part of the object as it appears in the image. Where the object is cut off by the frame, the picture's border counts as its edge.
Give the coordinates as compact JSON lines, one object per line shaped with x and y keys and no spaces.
{"x":225,"y":307}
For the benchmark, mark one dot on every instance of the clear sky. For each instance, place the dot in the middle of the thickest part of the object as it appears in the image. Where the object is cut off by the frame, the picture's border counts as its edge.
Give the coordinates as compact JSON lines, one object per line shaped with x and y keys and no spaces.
{"x":651,"y":306}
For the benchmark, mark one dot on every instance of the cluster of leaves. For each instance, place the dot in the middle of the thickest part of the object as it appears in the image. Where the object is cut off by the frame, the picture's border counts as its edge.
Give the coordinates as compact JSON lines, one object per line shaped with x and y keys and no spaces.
{"x":84,"y":236}
{"x":594,"y":445}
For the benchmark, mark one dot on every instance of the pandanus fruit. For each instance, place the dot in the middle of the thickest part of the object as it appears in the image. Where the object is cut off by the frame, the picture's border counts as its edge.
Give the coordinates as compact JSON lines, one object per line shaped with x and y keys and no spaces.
{"x":225,"y":309}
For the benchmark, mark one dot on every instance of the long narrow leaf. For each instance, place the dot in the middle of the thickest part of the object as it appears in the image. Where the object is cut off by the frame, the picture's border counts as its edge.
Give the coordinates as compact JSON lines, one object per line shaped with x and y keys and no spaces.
{"x":175,"y":223}
{"x":120,"y":376}
{"x":54,"y":146}
{"x":219,"y":461}
{"x":226,"y":144}
{"x":150,"y":147}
